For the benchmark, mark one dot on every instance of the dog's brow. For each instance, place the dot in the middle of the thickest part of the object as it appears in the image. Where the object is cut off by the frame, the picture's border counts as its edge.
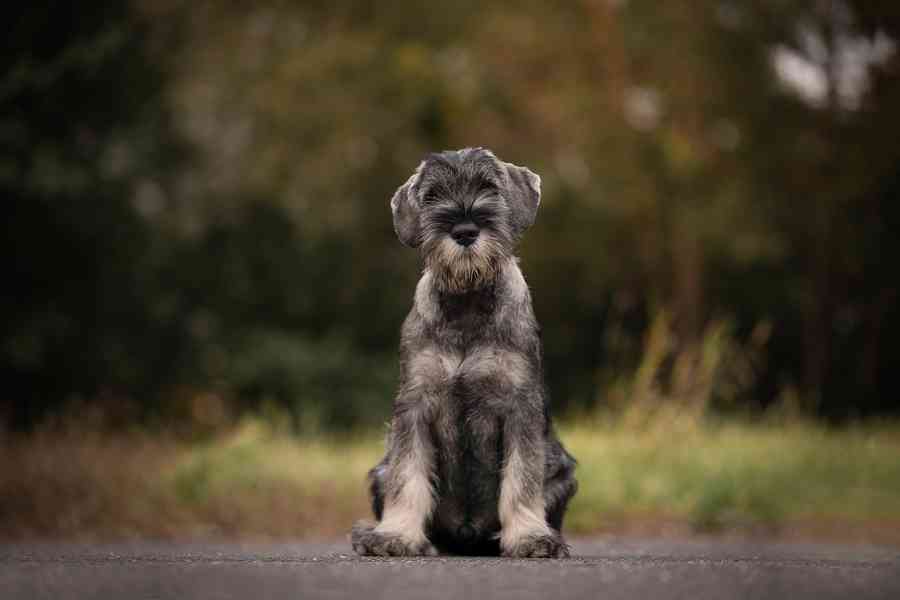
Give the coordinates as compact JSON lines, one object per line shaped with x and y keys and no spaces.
{"x":435,"y":192}
{"x":484,"y":200}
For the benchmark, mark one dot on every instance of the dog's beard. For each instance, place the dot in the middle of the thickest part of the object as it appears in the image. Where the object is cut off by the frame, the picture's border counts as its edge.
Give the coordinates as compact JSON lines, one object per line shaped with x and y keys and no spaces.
{"x":457,"y":269}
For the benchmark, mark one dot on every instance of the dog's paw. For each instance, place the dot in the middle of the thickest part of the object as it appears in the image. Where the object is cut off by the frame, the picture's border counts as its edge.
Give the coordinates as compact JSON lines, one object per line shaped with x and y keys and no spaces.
{"x":539,"y":546}
{"x":368,"y":541}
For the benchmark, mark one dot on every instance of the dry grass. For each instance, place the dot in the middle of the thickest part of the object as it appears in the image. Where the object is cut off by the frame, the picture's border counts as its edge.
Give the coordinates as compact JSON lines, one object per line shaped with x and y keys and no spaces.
{"x":249,"y":483}
{"x":69,"y":485}
{"x":662,"y":476}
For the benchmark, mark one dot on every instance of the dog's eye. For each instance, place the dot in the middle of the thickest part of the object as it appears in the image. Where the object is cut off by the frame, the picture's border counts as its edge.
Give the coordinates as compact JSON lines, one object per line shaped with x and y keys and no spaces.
{"x":431,"y":197}
{"x":446,"y":216}
{"x":481,"y":216}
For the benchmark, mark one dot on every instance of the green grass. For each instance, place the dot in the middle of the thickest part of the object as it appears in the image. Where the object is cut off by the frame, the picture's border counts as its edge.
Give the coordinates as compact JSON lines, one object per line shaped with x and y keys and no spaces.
{"x":735,"y":476}
{"x":254,"y":481}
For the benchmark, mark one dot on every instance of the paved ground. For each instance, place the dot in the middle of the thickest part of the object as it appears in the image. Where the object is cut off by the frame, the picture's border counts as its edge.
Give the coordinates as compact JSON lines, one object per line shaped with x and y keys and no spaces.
{"x":608,"y":569}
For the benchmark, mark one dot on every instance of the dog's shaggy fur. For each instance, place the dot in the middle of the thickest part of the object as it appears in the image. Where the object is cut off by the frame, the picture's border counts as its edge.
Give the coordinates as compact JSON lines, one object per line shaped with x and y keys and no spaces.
{"x":472,"y":464}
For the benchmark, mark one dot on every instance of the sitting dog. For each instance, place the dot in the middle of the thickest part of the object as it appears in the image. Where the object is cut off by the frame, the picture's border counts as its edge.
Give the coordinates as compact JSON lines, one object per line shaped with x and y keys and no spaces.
{"x":473,"y":465}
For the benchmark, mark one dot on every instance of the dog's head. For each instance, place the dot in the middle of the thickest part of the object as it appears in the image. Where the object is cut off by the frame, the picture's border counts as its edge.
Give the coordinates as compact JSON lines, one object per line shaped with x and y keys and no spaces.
{"x":465,"y":210}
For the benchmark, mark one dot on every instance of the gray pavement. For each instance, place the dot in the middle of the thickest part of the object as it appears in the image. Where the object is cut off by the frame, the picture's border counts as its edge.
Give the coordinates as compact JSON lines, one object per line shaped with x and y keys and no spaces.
{"x":608,"y":569}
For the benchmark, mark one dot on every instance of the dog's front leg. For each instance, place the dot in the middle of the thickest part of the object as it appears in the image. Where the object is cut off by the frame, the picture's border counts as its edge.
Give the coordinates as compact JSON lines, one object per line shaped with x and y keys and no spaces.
{"x":523,"y":521}
{"x":408,"y":489}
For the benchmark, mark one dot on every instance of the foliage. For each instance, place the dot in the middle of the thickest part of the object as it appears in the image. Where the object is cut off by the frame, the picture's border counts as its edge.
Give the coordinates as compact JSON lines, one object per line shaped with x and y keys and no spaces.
{"x":198,"y":197}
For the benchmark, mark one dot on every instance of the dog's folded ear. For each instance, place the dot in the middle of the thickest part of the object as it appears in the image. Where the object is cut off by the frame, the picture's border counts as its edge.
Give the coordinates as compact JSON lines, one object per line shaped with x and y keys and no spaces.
{"x":523,"y":196}
{"x":405,"y":210}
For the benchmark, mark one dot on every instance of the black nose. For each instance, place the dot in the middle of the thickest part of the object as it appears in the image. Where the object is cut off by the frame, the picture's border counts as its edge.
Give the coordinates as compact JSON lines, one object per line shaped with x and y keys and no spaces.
{"x":465,"y":234}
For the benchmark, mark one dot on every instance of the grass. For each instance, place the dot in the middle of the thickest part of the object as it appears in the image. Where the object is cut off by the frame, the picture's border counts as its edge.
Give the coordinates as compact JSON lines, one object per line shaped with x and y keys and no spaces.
{"x":668,"y":475}
{"x":738,"y":477}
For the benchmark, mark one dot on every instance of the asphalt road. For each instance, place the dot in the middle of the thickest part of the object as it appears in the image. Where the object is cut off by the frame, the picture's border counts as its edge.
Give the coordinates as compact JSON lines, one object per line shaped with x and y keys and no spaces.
{"x":608,"y":569}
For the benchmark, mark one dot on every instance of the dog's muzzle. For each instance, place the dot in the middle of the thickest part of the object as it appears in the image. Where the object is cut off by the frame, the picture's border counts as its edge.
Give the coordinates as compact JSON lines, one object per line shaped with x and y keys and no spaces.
{"x":465,"y":234}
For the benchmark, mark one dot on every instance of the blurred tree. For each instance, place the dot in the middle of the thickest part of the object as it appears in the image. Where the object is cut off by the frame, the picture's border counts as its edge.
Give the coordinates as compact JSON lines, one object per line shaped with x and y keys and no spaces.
{"x":713,"y":169}
{"x":85,"y":147}
{"x":821,"y":172}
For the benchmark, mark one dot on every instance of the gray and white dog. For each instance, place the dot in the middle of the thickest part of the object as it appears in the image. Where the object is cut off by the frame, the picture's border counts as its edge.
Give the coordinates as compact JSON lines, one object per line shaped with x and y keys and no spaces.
{"x":473,"y":465}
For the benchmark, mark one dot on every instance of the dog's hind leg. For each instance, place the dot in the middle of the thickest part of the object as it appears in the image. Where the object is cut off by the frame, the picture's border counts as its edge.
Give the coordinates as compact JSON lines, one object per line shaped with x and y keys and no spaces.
{"x":376,"y":487}
{"x":560,"y":484}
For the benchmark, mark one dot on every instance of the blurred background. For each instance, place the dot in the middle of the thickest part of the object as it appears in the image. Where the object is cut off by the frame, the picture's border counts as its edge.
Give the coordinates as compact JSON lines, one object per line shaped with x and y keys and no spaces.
{"x":204,"y":290}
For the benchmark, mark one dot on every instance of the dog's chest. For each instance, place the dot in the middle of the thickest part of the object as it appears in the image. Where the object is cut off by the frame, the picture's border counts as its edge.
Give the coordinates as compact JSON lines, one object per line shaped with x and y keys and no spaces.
{"x":465,"y":320}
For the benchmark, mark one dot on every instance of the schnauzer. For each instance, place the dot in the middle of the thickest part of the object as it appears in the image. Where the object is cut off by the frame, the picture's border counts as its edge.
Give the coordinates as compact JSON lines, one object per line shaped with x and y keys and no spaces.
{"x":473,"y":465}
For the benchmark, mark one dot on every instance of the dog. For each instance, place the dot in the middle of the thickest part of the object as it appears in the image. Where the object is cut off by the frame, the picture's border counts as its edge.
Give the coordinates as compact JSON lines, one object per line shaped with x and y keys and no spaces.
{"x":473,"y":465}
